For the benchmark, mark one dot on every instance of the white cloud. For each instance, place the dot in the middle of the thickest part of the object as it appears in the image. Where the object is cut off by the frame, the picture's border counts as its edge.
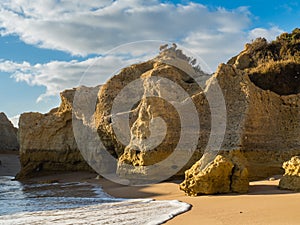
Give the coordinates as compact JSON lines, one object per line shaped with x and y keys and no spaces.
{"x":214,"y":47}
{"x":87,"y":27}
{"x":84,"y":28}
{"x":59,"y":75}
{"x":269,"y":34}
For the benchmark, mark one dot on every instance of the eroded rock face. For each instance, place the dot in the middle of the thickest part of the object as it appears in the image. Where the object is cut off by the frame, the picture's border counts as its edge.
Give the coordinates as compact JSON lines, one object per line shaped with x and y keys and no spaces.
{"x":157,"y":130}
{"x":47,"y":141}
{"x":291,"y":177}
{"x":226,"y":173}
{"x":8,"y":134}
{"x":161,"y":95}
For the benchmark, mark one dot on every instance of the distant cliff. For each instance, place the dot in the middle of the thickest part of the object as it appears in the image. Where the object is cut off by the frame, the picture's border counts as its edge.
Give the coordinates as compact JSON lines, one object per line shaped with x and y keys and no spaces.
{"x":47,"y":142}
{"x":8,"y":134}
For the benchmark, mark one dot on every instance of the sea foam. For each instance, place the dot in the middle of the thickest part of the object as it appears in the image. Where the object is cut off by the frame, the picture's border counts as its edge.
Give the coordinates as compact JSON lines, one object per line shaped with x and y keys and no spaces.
{"x":129,"y":211}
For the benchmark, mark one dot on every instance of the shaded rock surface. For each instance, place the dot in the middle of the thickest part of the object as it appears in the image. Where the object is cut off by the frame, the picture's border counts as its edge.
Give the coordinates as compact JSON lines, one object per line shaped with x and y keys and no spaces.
{"x":223,"y":174}
{"x":47,"y":141}
{"x":291,"y":177}
{"x":8,"y":134}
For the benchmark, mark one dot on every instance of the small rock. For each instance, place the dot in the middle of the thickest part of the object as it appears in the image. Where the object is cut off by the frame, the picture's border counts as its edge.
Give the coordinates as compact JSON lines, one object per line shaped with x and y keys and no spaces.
{"x":291,"y":177}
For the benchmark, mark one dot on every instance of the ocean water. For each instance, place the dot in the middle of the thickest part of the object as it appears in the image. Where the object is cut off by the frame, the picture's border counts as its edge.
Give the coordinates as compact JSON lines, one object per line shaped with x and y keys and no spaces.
{"x":77,"y":203}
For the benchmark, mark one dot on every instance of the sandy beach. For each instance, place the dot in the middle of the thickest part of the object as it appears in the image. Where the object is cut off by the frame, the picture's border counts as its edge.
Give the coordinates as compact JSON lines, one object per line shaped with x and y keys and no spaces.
{"x":264,"y":204}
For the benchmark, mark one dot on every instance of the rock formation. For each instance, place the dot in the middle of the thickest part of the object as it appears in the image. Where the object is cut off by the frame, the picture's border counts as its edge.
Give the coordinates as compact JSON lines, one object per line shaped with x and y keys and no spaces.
{"x":291,"y":177}
{"x":148,"y":117}
{"x":155,"y":100}
{"x":226,"y":173}
{"x":47,"y":141}
{"x":8,"y":134}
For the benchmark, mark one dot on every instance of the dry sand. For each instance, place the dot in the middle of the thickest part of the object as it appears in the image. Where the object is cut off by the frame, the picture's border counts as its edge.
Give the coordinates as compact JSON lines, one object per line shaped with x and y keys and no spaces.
{"x":264,"y":204}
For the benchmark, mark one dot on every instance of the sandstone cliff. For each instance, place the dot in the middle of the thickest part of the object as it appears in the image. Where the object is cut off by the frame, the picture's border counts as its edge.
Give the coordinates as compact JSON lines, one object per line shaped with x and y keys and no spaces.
{"x":47,"y":141}
{"x":8,"y":134}
{"x":269,"y":81}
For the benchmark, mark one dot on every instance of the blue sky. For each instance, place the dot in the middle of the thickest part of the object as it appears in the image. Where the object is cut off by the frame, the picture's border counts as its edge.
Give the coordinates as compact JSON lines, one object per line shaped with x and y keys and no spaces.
{"x":46,"y":46}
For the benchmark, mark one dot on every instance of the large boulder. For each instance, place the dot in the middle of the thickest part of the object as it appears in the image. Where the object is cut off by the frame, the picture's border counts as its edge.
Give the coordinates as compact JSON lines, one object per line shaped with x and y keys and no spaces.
{"x":47,"y":141}
{"x":8,"y":134}
{"x":223,"y":174}
{"x":291,"y":177}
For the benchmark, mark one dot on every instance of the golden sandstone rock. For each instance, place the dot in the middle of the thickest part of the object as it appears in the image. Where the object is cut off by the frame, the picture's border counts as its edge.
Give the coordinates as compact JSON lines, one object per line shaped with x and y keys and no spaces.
{"x":214,"y":178}
{"x":226,"y":173}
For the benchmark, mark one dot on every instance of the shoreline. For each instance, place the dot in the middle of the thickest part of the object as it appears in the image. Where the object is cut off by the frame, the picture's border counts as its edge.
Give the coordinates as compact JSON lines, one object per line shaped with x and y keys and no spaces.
{"x":264,"y":204}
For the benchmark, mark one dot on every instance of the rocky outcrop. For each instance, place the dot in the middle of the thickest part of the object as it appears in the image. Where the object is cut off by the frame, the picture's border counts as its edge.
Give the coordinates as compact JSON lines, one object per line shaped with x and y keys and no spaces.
{"x":158,"y":118}
{"x":261,"y":94}
{"x":8,"y":134}
{"x":291,"y":177}
{"x":47,"y":141}
{"x":224,"y":174}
